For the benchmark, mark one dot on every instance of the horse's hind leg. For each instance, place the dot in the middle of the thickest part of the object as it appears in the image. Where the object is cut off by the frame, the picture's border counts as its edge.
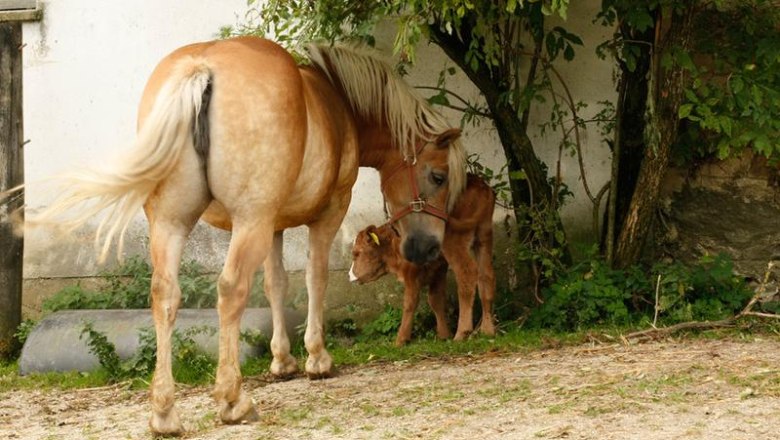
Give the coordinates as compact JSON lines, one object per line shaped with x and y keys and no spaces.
{"x":275,"y":282}
{"x":321,"y":235}
{"x":172,"y":212}
{"x":486,"y":280}
{"x":249,"y":246}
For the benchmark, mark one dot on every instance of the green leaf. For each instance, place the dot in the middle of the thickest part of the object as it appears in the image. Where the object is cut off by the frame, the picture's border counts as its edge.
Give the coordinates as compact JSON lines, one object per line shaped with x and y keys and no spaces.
{"x":568,"y":53}
{"x":685,"y":110}
{"x":440,"y":99}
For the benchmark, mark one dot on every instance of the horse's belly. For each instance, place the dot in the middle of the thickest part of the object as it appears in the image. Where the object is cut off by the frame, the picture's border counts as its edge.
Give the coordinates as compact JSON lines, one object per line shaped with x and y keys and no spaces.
{"x":313,"y":191}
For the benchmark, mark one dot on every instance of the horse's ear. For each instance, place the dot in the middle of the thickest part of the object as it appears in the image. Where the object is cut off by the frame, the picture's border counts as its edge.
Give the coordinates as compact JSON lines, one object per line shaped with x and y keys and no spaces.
{"x":445,"y":139}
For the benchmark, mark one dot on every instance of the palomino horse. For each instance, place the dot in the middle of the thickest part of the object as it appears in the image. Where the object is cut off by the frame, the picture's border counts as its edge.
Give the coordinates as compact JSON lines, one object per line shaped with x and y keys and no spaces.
{"x":236,"y":133}
{"x":377,"y":251}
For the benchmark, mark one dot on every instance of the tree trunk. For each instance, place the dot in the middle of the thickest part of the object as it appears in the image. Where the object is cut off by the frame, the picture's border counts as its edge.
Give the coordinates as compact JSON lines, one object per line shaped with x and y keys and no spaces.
{"x":514,"y":139}
{"x":630,"y":134}
{"x":11,"y":175}
{"x":667,"y":95}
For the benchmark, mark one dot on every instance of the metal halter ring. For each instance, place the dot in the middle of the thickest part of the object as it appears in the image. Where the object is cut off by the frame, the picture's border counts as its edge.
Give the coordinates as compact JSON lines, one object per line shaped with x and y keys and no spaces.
{"x":417,"y":205}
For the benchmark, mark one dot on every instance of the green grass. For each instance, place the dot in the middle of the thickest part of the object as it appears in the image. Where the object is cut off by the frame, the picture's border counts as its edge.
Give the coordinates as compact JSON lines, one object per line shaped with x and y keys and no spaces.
{"x":379,"y":350}
{"x":373,"y":351}
{"x":11,"y":380}
{"x":383,"y":350}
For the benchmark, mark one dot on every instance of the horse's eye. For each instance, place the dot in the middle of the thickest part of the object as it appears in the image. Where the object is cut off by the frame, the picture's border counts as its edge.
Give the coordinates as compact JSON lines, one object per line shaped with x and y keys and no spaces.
{"x":438,"y":179}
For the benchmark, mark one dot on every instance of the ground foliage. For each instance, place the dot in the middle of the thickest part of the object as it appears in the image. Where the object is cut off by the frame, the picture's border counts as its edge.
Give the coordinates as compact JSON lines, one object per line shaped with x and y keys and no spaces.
{"x":591,"y":294}
{"x":190,"y":363}
{"x":127,"y":286}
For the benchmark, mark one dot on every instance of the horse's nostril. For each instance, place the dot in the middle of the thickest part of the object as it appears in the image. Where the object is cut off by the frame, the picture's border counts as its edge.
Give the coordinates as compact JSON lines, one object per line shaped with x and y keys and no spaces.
{"x":421,"y":249}
{"x":433,"y":251}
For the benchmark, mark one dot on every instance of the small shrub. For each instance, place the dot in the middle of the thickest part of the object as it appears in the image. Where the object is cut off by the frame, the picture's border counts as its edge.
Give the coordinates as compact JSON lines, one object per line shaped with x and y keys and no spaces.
{"x":388,"y":322}
{"x":344,"y":328}
{"x":24,"y":329}
{"x":591,"y":294}
{"x":385,"y":324}
{"x":190,"y":364}
{"x":128,"y":287}
{"x":708,"y":290}
{"x":105,"y":351}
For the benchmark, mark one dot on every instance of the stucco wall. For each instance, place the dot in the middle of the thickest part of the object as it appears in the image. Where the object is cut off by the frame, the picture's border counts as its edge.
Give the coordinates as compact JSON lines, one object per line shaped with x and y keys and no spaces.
{"x":85,"y":66}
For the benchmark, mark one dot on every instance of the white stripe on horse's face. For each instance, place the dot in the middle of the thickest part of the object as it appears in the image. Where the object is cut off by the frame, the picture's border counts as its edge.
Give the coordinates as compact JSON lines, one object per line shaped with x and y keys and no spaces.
{"x":352,"y":277}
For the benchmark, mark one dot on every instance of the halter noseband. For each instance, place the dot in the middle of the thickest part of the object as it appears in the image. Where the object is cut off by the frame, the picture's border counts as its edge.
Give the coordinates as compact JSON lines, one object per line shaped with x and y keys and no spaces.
{"x":418,"y":204}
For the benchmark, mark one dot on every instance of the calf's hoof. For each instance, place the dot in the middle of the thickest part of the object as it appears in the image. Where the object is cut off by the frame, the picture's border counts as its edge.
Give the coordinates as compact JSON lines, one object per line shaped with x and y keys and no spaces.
{"x":166,"y":424}
{"x":240,"y":411}
{"x":320,"y":366}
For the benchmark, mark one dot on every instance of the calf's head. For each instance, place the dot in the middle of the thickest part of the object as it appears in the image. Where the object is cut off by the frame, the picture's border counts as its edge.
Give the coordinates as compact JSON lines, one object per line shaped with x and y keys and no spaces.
{"x":369,"y":254}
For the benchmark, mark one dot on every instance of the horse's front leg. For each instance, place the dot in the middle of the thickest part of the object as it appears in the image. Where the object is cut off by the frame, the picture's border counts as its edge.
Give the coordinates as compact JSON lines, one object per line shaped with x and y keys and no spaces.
{"x":249,"y":247}
{"x":437,"y":299}
{"x":465,"y":269}
{"x":411,"y":299}
{"x":275,"y":282}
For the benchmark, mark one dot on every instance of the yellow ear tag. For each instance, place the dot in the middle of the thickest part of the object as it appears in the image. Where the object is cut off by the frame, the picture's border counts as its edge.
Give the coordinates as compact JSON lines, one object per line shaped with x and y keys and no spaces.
{"x":374,"y":237}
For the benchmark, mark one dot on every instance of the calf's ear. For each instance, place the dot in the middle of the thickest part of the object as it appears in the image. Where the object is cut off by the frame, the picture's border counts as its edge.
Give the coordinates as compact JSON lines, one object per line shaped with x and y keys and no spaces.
{"x":372,"y":234}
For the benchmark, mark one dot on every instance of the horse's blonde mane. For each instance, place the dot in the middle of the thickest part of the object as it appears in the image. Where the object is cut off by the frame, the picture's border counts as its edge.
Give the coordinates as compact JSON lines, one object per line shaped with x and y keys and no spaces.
{"x":375,"y":92}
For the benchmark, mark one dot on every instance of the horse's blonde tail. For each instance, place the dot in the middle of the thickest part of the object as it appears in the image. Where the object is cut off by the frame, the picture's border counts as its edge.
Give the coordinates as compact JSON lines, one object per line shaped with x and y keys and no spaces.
{"x":122,"y":188}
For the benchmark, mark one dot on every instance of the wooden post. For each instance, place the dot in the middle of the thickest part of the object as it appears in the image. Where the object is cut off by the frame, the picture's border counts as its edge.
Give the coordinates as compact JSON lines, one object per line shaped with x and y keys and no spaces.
{"x":11,"y":175}
{"x":12,"y":14}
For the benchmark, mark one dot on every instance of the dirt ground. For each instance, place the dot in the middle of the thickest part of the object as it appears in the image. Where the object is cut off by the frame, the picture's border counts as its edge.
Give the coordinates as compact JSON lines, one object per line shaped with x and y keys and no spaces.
{"x":690,"y":389}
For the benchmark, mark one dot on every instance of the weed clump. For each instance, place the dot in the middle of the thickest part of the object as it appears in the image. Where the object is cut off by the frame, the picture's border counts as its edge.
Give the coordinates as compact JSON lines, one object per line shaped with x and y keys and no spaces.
{"x":592,"y":294}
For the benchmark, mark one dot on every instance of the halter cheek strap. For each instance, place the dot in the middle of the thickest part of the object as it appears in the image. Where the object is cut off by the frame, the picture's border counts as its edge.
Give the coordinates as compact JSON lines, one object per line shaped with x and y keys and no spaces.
{"x":418,"y":204}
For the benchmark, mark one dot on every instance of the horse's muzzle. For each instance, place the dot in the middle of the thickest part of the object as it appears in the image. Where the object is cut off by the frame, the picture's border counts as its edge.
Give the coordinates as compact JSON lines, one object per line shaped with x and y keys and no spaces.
{"x":421,"y":248}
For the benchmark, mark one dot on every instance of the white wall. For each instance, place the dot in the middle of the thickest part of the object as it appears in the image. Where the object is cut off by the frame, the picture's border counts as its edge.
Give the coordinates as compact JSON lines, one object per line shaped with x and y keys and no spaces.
{"x":85,"y":66}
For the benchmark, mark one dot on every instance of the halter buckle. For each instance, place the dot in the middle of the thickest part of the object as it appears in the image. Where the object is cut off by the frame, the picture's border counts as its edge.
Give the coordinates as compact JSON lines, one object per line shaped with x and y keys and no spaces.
{"x":417,"y":205}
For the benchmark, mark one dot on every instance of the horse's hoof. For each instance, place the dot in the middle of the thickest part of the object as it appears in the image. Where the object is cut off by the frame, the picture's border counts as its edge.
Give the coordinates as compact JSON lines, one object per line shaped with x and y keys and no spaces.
{"x":319,"y":367}
{"x":490,"y":331}
{"x":444,"y":334}
{"x":166,"y":425}
{"x":401,"y":342}
{"x":241,"y":411}
{"x":284,"y":369}
{"x":461,"y":336}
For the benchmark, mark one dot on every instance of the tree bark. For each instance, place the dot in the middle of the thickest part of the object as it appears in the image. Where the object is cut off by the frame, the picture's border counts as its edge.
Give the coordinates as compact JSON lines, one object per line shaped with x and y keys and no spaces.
{"x":629,"y":149}
{"x":11,"y":175}
{"x":667,"y":95}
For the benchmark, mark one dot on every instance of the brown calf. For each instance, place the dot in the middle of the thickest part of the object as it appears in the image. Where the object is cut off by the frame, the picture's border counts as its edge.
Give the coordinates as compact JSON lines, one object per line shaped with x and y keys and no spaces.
{"x":467,"y":248}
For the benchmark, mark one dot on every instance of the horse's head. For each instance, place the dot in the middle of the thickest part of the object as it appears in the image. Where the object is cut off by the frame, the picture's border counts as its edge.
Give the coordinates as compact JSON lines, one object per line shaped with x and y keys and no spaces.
{"x":419,"y":192}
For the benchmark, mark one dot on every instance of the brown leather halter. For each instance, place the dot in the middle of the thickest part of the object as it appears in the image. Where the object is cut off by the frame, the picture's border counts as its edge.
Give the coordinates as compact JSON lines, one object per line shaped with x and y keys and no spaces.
{"x":418,"y":203}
